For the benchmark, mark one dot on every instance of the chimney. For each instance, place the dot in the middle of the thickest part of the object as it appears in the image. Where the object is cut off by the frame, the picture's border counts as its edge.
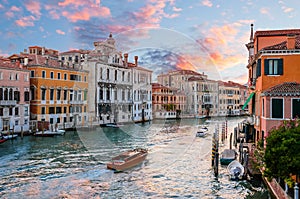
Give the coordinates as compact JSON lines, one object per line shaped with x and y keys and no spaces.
{"x":43,"y":50}
{"x":291,"y":42}
{"x":136,"y":60}
{"x":25,"y":61}
{"x":46,"y":61}
{"x":126,"y":59}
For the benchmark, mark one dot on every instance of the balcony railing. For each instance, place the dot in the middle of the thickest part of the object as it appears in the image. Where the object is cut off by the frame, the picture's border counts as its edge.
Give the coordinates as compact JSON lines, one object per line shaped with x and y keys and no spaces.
{"x":8,"y":102}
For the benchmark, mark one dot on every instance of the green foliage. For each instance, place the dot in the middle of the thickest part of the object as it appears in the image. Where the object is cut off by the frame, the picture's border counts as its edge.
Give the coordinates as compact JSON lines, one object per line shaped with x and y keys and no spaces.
{"x":282,"y":157}
{"x":169,"y":107}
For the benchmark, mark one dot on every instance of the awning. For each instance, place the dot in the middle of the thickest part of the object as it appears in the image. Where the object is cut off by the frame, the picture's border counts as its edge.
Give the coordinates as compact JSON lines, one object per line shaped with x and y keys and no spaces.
{"x":248,"y":100}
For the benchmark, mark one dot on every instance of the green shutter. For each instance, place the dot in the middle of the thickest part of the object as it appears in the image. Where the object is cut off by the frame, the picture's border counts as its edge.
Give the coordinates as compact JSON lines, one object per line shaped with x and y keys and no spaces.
{"x":266,"y":63}
{"x":258,"y":68}
{"x":280,"y":67}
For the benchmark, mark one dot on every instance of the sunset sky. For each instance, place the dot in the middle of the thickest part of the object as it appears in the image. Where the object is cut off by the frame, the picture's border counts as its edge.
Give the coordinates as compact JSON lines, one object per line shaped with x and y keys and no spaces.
{"x":203,"y":35}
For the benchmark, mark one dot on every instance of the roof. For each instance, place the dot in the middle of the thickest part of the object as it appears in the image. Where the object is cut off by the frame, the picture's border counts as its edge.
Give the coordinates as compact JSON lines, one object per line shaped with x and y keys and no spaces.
{"x":284,"y":89}
{"x":231,"y":84}
{"x":283,"y":45}
{"x":182,"y":72}
{"x":277,"y":32}
{"x":75,"y":51}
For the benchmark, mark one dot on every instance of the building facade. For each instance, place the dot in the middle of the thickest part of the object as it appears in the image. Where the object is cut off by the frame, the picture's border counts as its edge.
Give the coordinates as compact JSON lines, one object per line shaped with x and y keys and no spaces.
{"x":58,"y":91}
{"x":273,"y":58}
{"x":14,"y":95}
{"x":167,"y":103}
{"x":119,"y":91}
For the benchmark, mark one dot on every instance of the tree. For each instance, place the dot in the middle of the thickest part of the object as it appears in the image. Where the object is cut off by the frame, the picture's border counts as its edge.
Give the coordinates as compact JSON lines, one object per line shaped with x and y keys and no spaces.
{"x":282,"y":157}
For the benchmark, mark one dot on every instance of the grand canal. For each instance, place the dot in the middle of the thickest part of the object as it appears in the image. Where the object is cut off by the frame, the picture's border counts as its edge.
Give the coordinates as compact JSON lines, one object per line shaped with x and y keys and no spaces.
{"x":73,"y":165}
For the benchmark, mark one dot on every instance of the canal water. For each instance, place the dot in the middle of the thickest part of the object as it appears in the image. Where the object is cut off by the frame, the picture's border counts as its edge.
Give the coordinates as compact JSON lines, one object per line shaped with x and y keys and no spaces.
{"x":73,"y":165}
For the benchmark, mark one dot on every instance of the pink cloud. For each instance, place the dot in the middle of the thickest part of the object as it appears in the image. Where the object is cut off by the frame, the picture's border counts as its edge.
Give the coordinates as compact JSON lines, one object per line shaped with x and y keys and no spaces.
{"x":86,"y":13}
{"x":207,"y":3}
{"x":60,"y":32}
{"x":76,"y":3}
{"x":25,"y":21}
{"x":11,"y":12}
{"x":176,"y":9}
{"x":33,"y":7}
{"x":264,"y":11}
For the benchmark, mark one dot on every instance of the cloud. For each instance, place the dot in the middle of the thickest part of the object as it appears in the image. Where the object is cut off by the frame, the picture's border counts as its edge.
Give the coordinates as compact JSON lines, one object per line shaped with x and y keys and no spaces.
{"x":86,"y":14}
{"x":60,"y":32}
{"x":11,"y":12}
{"x":77,"y":10}
{"x":33,"y":7}
{"x":207,"y":3}
{"x":177,"y":9}
{"x":264,"y":11}
{"x":25,"y":21}
{"x":287,"y":10}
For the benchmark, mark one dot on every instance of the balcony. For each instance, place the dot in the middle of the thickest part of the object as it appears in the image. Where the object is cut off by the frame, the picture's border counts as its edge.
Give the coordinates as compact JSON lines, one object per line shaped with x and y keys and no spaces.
{"x":76,"y":102}
{"x":8,"y":102}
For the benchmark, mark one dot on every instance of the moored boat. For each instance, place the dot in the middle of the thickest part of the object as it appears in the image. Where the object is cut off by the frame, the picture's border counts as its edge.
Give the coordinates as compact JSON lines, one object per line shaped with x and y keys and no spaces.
{"x":2,"y":140}
{"x":227,"y":156}
{"x":10,"y":137}
{"x":48,"y":133}
{"x":236,"y":170}
{"x":127,"y":159}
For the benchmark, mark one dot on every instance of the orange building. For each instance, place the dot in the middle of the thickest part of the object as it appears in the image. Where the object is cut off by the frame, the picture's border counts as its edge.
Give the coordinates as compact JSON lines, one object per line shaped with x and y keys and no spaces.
{"x":167,"y":103}
{"x":58,"y":92}
{"x":274,"y":76}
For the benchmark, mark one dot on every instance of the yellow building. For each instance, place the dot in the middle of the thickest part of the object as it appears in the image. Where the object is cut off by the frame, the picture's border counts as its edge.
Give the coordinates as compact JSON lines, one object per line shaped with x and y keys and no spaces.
{"x":58,"y":91}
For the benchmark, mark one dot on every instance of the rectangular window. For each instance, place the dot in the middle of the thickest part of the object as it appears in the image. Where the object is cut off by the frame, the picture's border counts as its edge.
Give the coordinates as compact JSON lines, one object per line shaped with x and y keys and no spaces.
{"x":43,"y":94}
{"x":51,"y":94}
{"x":32,"y":73}
{"x":16,"y":111}
{"x":277,"y":108}
{"x":65,"y":76}
{"x":52,"y":75}
{"x":51,"y":110}
{"x":43,"y":74}
{"x":273,"y":66}
{"x":43,"y":110}
{"x":58,"y":110}
{"x":258,"y":68}
{"x":58,"y":76}
{"x":65,"y":94}
{"x":58,"y":94}
{"x":296,"y":108}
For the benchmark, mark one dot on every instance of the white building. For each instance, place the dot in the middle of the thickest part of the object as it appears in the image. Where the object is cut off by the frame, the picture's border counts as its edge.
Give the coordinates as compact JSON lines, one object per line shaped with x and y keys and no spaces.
{"x":111,"y":91}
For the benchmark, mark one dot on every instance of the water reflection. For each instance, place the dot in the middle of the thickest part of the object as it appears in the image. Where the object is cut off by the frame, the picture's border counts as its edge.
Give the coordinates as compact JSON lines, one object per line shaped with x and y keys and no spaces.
{"x":73,"y":166}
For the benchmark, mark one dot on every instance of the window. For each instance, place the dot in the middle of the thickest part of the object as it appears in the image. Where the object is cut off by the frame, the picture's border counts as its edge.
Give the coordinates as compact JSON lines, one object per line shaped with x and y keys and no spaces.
{"x":58,"y":91}
{"x":32,"y":73}
{"x":51,"y":94}
{"x":273,"y":66}
{"x":43,"y":74}
{"x":43,"y":110}
{"x":16,"y":111}
{"x":58,"y":110}
{"x":296,"y":108}
{"x":107,"y":74}
{"x":26,"y":111}
{"x":51,"y":110}
{"x":52,"y":75}
{"x":65,"y":76}
{"x":58,"y":76}
{"x":277,"y":108}
{"x":65,"y":94}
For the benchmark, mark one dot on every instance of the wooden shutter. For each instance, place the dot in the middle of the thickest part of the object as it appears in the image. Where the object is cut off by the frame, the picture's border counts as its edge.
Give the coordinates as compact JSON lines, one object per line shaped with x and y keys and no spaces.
{"x":280,"y":66}
{"x":258,"y":68}
{"x":266,"y":66}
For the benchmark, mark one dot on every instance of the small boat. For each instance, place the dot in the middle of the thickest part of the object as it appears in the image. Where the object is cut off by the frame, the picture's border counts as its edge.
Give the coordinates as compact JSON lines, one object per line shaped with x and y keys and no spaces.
{"x":112,"y":125}
{"x":236,"y":170}
{"x":10,"y":137}
{"x":2,"y":140}
{"x":127,"y":159}
{"x":48,"y":133}
{"x":202,"y":132}
{"x":227,"y":156}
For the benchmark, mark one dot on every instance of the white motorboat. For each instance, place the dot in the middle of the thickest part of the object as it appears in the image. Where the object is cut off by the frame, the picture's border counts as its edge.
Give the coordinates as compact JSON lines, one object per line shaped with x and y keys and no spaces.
{"x":236,"y":170}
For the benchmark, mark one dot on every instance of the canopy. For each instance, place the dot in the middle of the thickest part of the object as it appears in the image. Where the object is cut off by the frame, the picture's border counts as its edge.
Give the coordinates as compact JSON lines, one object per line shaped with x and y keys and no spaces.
{"x":248,"y":100}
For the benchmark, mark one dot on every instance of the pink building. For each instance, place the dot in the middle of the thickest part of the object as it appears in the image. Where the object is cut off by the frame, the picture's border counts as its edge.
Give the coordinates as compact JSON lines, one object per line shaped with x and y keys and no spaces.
{"x":14,"y":95}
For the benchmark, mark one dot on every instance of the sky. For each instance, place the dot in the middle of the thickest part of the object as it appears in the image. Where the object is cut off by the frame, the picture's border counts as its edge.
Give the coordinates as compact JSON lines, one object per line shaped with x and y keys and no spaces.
{"x":207,"y":36}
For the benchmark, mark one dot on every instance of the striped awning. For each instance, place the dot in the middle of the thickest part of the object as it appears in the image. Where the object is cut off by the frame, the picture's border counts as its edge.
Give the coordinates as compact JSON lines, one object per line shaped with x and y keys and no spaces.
{"x":248,"y":100}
